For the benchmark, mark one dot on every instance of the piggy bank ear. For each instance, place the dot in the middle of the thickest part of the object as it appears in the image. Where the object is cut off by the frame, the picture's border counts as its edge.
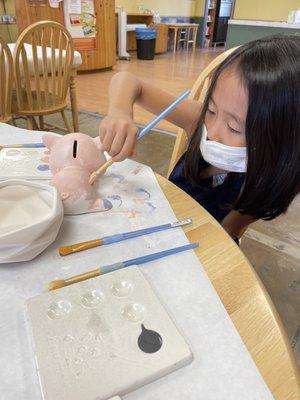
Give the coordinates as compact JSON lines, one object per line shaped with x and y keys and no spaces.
{"x":98,"y":144}
{"x":49,"y":140}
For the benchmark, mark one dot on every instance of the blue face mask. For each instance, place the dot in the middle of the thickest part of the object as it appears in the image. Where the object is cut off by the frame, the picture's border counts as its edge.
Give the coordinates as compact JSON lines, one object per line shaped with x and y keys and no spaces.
{"x":227,"y":158}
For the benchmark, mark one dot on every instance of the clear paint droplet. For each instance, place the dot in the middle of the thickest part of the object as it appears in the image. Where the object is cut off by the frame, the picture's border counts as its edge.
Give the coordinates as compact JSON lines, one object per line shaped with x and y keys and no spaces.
{"x":12,"y":152}
{"x":122,"y":288}
{"x":134,"y":312}
{"x":95,"y":352}
{"x":68,"y":362}
{"x":59,"y":309}
{"x":92,"y":298}
{"x":86,"y":337}
{"x":81,"y":350}
{"x":68,"y":338}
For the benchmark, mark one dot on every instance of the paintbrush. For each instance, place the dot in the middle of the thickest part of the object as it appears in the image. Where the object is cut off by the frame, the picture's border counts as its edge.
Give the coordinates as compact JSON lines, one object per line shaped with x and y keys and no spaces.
{"x":143,"y":132}
{"x":22,"y":145}
{"x":123,"y":264}
{"x":76,"y":247}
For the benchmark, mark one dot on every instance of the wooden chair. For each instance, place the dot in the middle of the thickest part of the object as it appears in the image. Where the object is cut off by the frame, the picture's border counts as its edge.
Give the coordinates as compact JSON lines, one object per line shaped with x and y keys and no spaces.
{"x":198,"y":92}
{"x":192,"y":37}
{"x":6,"y":81}
{"x":43,"y":59}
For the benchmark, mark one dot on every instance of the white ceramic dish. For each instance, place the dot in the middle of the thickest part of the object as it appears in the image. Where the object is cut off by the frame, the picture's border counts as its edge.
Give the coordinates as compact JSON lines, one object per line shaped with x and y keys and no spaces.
{"x":30,"y":217}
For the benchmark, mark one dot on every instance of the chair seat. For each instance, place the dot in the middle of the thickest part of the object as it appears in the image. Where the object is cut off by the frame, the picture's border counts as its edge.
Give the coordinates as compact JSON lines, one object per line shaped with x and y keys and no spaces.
{"x":77,"y":60}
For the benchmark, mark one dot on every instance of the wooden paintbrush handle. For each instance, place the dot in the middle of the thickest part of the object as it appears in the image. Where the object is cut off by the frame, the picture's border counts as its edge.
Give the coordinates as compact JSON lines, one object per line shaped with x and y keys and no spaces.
{"x":74,"y":248}
{"x":82,"y":277}
{"x":104,"y":167}
{"x":100,"y":170}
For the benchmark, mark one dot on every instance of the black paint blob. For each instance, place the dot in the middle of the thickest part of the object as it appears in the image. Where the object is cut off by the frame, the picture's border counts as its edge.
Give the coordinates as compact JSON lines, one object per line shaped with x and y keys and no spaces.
{"x":149,"y":341}
{"x":75,"y":149}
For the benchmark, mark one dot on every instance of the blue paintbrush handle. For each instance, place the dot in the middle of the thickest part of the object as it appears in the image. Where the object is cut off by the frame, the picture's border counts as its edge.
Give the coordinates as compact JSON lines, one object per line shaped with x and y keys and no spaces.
{"x":147,"y":258}
{"x":22,"y":145}
{"x":33,"y":145}
{"x":171,"y":107}
{"x":129,"y":235}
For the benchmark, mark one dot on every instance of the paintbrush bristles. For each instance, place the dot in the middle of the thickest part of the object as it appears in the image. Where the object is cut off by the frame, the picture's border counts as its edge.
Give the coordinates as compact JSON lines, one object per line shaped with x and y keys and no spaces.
{"x":56,"y":285}
{"x":74,"y":279}
{"x":100,"y":170}
{"x":74,"y":248}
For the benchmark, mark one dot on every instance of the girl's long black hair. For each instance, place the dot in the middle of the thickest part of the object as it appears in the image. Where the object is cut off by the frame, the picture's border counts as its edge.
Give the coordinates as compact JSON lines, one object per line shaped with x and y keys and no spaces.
{"x":270,"y":70}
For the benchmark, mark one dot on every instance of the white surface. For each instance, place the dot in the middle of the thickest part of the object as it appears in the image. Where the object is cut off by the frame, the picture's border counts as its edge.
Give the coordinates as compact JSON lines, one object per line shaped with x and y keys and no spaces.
{"x":222,"y":367}
{"x":92,"y":349}
{"x":294,"y":17}
{"x":122,"y":35}
{"x":180,"y":24}
{"x":31,"y":215}
{"x":263,"y":23}
{"x":23,"y":163}
{"x":77,"y":61}
{"x":132,"y":27}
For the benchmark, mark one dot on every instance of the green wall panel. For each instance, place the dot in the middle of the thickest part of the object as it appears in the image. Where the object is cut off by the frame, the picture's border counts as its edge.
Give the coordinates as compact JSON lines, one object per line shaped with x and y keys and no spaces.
{"x":240,"y":34}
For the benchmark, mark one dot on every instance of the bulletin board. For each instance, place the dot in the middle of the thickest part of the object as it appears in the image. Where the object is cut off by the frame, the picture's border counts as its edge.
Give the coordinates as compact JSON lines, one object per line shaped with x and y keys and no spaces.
{"x":80,"y":20}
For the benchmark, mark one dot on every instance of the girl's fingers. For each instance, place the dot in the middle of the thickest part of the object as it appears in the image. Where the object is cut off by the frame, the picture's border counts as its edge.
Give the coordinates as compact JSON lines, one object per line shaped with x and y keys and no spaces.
{"x":134,"y":151}
{"x":117,"y":144}
{"x":108,"y":139}
{"x":127,"y":148}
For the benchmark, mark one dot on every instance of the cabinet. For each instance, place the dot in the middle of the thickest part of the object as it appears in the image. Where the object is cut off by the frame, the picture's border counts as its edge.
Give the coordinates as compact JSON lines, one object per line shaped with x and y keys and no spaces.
{"x":220,"y":31}
{"x":102,"y":54}
{"x":210,"y":24}
{"x":216,"y":16}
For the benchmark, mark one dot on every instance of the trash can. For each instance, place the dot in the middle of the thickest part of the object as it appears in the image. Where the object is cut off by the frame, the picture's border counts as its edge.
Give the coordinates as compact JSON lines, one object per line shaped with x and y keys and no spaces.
{"x":145,"y":42}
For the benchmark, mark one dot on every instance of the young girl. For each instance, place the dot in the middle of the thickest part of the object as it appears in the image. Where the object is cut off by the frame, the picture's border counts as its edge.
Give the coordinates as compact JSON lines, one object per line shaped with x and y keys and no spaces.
{"x":243,"y":158}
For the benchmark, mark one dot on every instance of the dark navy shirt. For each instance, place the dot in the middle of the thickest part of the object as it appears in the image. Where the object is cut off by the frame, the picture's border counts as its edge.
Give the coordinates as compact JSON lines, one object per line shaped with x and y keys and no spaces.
{"x":216,"y":194}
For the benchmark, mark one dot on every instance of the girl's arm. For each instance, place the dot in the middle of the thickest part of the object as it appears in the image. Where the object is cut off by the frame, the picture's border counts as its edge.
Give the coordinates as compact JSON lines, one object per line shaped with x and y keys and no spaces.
{"x":118,"y":131}
{"x":236,"y":223}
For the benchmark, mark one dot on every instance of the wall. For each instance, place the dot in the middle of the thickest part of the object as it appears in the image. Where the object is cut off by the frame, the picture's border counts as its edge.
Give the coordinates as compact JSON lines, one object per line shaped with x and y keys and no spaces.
{"x":9,"y":32}
{"x":185,"y":8}
{"x":199,"y":8}
{"x":240,"y":34}
{"x":268,"y":10}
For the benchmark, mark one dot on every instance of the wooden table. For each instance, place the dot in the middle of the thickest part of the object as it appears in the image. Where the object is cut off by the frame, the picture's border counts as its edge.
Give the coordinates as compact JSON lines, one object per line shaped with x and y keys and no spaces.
{"x":242,"y":294}
{"x":177,"y":27}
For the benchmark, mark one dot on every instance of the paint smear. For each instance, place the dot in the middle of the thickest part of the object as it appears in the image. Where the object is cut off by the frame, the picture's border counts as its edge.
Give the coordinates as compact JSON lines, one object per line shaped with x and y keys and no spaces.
{"x":142,"y":190}
{"x":119,"y":177}
{"x":117,"y":198}
{"x":137,"y":170}
{"x":153,"y":208}
{"x":43,"y":167}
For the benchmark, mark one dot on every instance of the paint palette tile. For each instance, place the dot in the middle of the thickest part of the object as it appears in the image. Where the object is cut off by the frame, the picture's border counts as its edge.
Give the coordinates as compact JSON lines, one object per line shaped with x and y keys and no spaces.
{"x":103,"y":337}
{"x":25,"y":163}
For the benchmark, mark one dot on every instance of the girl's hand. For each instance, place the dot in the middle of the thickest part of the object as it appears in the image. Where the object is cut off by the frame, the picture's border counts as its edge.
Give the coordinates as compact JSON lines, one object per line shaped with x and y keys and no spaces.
{"x":118,"y":135}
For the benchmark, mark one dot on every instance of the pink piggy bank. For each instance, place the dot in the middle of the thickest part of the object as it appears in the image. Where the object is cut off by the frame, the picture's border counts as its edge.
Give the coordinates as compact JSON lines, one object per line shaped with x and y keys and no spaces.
{"x":72,"y":158}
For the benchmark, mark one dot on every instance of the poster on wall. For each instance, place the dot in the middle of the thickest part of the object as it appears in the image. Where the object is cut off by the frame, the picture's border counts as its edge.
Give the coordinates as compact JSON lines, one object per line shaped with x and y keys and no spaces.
{"x":80,"y":20}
